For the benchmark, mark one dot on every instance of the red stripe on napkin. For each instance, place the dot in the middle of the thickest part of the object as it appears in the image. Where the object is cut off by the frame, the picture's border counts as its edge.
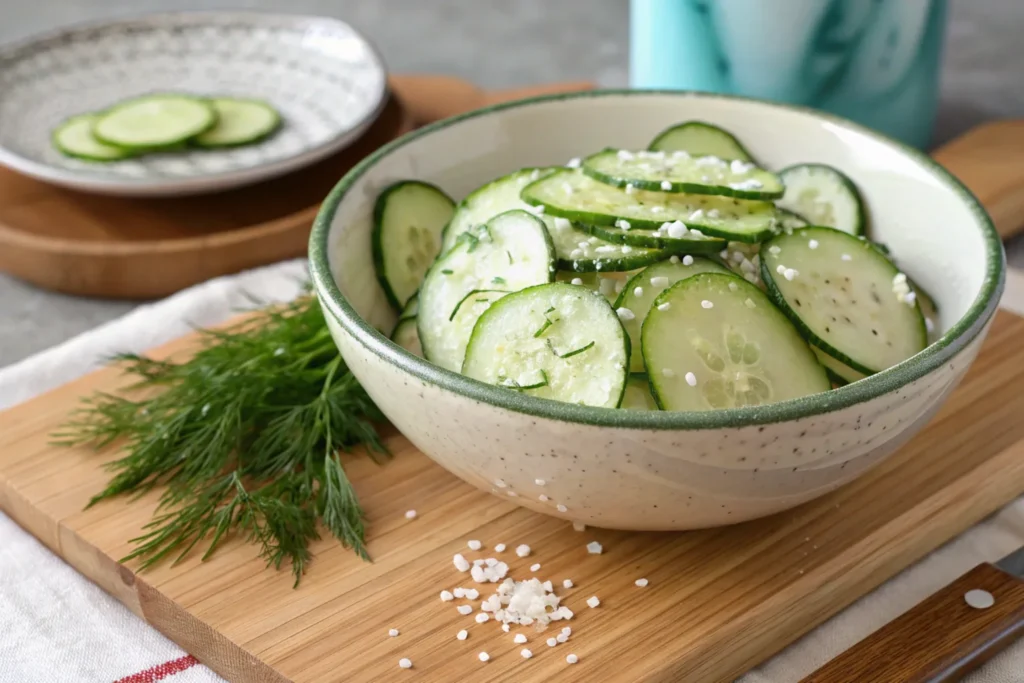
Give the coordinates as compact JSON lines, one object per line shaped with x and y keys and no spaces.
{"x":162,"y":671}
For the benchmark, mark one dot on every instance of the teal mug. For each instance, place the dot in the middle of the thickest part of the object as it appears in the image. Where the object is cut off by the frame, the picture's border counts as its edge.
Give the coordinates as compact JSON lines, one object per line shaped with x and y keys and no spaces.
{"x":873,"y":61}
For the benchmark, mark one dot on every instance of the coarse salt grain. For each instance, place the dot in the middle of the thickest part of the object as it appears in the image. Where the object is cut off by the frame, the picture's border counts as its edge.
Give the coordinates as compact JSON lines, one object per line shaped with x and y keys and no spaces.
{"x":579,"y":526}
{"x":572,"y":659}
{"x":622,"y":223}
{"x":405,"y":663}
{"x":638,"y":291}
{"x":483,"y":657}
{"x":665,"y":306}
{"x":567,"y":583}
{"x":567,"y":630}
{"x":464,"y":610}
{"x":522,"y":550}
{"x":561,"y":508}
{"x":471,"y":593}
{"x":642,"y":583}
{"x":539,"y":482}
{"x":666,"y":185}
{"x":676,"y":229}
{"x":462,"y":635}
{"x":668,"y":372}
{"x":624,"y":314}
{"x":562,"y":637}
{"x":595,"y":548}
{"x":593,"y":602}
{"x":543,"y":498}
{"x":660,"y":281}
{"x":562,"y":223}
{"x":506,"y":628}
{"x":846,"y":257}
{"x":696,"y":233}
{"x":446,"y":596}
{"x":774,"y":250}
{"x":535,"y":567}
{"x":574,"y":162}
{"x":474,"y":545}
{"x":790,"y":273}
{"x":551,"y":642}
{"x":706,"y":304}
{"x":460,"y":562}
{"x":500,"y":548}
{"x":410,"y":514}
{"x":691,"y":379}
{"x":526,"y":653}
{"x":482,"y":617}
{"x":929,"y":325}
{"x":548,"y":586}
{"x":459,"y":592}
{"x":519,"y":639}
{"x":687,"y":260}
{"x":813,"y":244}
{"x":576,"y":281}
{"x":393,"y":632}
{"x":780,"y":269}
{"x":630,"y":189}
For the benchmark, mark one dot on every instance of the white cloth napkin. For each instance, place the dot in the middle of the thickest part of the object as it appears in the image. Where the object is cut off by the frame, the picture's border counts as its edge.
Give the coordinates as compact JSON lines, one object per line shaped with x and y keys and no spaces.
{"x":57,"y":626}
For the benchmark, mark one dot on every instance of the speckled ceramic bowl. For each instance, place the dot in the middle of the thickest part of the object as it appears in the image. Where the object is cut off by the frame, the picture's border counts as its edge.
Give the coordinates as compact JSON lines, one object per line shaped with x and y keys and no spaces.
{"x":660,"y":470}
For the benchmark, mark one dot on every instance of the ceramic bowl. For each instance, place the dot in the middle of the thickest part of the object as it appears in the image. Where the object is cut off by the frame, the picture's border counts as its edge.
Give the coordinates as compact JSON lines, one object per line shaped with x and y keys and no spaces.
{"x":324,"y":77}
{"x":660,"y":470}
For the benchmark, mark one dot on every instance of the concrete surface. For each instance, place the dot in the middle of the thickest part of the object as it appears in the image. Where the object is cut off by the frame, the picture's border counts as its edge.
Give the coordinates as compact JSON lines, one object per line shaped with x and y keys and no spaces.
{"x":498,"y":43}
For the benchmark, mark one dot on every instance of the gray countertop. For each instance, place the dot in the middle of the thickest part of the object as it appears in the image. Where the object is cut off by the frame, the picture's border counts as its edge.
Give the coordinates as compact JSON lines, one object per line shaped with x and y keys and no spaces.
{"x":496,"y":43}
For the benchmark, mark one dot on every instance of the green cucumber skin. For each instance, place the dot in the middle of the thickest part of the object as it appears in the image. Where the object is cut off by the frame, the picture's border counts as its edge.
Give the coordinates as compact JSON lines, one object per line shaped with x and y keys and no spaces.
{"x":125,"y":153}
{"x":614,"y":265}
{"x":278,"y":121}
{"x":376,"y":241}
{"x":171,"y":146}
{"x":590,"y":218}
{"x":635,"y":239}
{"x":847,"y":183}
{"x":655,"y":147}
{"x":779,"y":300}
{"x":682,"y":188}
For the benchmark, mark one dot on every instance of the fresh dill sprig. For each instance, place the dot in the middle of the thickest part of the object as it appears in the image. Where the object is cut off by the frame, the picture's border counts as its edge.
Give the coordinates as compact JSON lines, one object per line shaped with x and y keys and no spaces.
{"x":243,"y":437}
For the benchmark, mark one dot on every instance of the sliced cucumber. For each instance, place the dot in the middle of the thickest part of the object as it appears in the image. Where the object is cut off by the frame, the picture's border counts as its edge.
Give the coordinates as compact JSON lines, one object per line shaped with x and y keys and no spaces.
{"x":838,"y":371}
{"x":578,"y":197}
{"x":823,"y":196}
{"x":407,"y":336}
{"x":486,"y":202}
{"x":239,"y":122}
{"x":554,"y":341}
{"x":512,"y":251}
{"x":637,"y":395}
{"x":412,"y":306}
{"x":661,"y":238}
{"x":407,"y":222}
{"x":75,"y":139}
{"x":700,"y":139}
{"x":680,"y":172}
{"x":846,"y":297}
{"x":929,"y":309}
{"x":154,"y":121}
{"x":790,"y":220}
{"x":720,"y":343}
{"x":607,"y":284}
{"x":581,"y":252}
{"x":643,"y":288}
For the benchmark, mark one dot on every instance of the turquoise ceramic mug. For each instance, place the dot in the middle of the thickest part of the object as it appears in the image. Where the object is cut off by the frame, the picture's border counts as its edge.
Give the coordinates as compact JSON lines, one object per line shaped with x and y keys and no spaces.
{"x":873,"y":61}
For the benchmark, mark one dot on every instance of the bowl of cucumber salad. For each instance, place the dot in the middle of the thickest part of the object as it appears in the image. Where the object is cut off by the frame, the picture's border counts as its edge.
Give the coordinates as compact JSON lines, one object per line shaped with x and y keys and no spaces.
{"x":655,"y":310}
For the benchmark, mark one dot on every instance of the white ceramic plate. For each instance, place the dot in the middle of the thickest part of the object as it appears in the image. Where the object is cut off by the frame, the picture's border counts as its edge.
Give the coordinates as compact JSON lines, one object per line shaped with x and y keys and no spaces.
{"x":327,"y":81}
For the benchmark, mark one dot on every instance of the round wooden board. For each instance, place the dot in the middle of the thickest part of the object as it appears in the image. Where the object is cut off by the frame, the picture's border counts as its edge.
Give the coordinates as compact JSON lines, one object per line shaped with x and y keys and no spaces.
{"x":93,"y":245}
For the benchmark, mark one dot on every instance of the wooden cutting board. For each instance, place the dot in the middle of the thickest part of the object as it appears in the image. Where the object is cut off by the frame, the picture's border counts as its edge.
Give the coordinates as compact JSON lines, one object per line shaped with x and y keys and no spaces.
{"x":719,"y":601}
{"x":132,"y":248}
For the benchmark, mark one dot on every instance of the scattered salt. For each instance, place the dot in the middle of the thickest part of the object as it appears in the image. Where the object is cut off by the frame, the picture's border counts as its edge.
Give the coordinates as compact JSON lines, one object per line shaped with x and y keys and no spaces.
{"x":464,"y":610}
{"x":446,"y":596}
{"x":624,"y":314}
{"x":551,"y":642}
{"x":462,"y":635}
{"x":572,"y":659}
{"x":393,"y":632}
{"x":595,"y":548}
{"x":665,"y":306}
{"x":482,"y":617}
{"x":567,"y":583}
{"x":526,"y":653}
{"x":576,"y":281}
{"x":706,"y":304}
{"x":535,"y":567}
{"x":659,"y":281}
{"x":561,"y":508}
{"x":593,"y":602}
{"x":410,"y":514}
{"x":691,"y":379}
{"x":642,"y":583}
{"x":574,"y":162}
{"x":474,"y":545}
{"x":460,"y":562}
{"x":500,"y":548}
{"x":687,"y":260}
{"x":483,"y":657}
{"x":405,"y":663}
{"x":523,"y":550}
{"x":519,"y":639}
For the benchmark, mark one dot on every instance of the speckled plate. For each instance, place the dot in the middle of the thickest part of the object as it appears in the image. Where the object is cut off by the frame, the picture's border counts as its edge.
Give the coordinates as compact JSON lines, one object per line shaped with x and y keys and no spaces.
{"x":327,"y":81}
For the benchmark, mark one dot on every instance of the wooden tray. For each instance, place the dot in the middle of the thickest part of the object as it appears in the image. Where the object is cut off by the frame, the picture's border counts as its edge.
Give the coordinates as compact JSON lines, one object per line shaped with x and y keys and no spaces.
{"x":719,"y":601}
{"x":115,"y":247}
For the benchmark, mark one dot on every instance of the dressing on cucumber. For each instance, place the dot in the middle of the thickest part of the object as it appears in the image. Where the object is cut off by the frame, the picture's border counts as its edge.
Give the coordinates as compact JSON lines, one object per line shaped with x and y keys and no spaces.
{"x":511,"y":252}
{"x":553,"y":341}
{"x":408,"y":218}
{"x":643,"y":288}
{"x":700,"y":139}
{"x":845,"y":296}
{"x":823,"y":196}
{"x":681,"y":172}
{"x":720,"y":343}
{"x":578,"y":197}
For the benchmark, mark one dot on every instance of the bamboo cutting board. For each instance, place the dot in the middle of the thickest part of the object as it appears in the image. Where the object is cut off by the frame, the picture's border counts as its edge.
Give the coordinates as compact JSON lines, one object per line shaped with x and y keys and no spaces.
{"x":719,"y":601}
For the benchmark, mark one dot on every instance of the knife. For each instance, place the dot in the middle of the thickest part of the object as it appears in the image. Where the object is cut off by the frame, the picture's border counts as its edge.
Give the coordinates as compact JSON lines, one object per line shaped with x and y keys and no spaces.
{"x":943,"y":638}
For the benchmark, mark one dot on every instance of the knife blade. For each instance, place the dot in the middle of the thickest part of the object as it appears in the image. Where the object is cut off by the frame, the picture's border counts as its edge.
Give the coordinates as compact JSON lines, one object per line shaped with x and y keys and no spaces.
{"x":944,"y":637}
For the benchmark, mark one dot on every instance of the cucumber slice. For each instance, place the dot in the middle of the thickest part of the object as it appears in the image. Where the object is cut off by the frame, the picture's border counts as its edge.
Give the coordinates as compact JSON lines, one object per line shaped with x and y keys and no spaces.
{"x":578,"y":197}
{"x":407,"y":336}
{"x":845,"y":296}
{"x":486,"y":202}
{"x":412,"y":307}
{"x":720,"y":343}
{"x":581,"y":252}
{"x":607,"y":284}
{"x":790,"y":220}
{"x":239,"y":122}
{"x":408,"y":218}
{"x":657,"y":239}
{"x":823,"y":196}
{"x":643,"y":288}
{"x":637,"y":395}
{"x":700,"y":139}
{"x":75,"y":139}
{"x":554,"y":341}
{"x":838,"y":371}
{"x":680,"y":172}
{"x":512,"y":251}
{"x":154,"y":121}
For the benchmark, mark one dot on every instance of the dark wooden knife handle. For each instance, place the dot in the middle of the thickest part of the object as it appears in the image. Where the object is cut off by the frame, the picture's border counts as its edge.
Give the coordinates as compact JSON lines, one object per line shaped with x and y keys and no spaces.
{"x":941,"y":639}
